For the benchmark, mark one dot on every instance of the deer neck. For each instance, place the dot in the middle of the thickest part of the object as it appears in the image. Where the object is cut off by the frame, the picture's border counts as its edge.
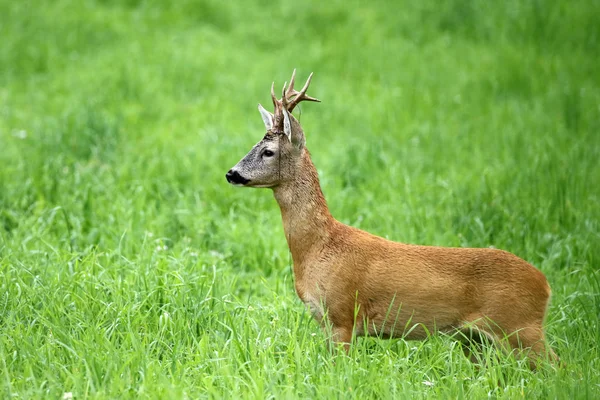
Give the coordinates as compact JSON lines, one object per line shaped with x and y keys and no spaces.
{"x":306,"y":219}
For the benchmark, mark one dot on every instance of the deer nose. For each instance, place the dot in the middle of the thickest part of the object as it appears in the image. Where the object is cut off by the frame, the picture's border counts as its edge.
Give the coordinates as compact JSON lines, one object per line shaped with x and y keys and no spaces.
{"x":235,"y":178}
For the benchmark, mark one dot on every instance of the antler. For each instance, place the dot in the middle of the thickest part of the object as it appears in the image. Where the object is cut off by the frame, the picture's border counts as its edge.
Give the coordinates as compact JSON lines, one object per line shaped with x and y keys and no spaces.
{"x":276,"y":102}
{"x":289,"y":100}
{"x":290,"y":97}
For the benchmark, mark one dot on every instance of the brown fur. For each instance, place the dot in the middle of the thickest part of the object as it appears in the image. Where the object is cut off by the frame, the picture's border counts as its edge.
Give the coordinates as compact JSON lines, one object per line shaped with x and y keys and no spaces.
{"x":405,"y":290}
{"x":364,"y":284}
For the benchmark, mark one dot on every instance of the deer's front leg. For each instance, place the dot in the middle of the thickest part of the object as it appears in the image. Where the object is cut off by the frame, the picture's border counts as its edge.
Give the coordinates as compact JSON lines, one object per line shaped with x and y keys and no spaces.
{"x":341,"y":335}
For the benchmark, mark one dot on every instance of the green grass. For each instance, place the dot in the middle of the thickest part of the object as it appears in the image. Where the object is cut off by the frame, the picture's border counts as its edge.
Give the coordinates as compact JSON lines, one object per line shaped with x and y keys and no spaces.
{"x":129,"y":268}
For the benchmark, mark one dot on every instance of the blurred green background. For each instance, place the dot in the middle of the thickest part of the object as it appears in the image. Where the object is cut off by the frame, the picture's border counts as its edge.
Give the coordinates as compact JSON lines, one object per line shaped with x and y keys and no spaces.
{"x":454,"y":123}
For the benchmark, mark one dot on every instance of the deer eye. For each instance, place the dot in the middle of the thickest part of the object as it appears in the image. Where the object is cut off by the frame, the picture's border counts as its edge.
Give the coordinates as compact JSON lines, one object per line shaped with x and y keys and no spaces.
{"x":268,"y":153}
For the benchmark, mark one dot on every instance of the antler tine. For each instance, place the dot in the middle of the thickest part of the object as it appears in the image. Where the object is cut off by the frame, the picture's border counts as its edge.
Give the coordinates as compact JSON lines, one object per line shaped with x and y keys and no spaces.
{"x":273,"y":95}
{"x":284,"y":99}
{"x":307,"y":83}
{"x":290,"y":91}
{"x":300,"y":96}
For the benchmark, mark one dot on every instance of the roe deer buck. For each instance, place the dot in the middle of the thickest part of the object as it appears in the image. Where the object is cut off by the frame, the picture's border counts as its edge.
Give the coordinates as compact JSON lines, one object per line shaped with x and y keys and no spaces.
{"x":363,"y":284}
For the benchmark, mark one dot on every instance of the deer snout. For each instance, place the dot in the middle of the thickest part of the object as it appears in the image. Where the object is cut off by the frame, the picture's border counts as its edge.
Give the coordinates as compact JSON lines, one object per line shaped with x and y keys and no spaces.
{"x":235,"y":178}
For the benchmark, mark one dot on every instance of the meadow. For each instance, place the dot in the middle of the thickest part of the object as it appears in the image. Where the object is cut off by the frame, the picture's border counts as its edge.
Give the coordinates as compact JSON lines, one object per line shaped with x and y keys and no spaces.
{"x":129,"y":268}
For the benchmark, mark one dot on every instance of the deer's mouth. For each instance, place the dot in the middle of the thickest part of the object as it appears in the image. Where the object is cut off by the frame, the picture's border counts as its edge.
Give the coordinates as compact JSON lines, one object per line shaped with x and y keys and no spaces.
{"x":236,"y":179}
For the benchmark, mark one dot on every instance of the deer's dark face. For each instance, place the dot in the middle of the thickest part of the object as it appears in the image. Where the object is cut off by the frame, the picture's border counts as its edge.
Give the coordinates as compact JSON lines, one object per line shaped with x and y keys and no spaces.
{"x":266,"y":165}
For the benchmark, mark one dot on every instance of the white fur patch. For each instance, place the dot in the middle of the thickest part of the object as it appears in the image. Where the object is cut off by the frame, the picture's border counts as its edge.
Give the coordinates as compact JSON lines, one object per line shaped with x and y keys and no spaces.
{"x":287,"y":126}
{"x":266,"y":116}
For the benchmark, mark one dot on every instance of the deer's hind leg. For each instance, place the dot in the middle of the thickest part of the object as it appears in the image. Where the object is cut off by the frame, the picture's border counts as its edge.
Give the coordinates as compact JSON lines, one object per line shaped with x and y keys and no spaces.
{"x":528,"y":341}
{"x":474,"y":340}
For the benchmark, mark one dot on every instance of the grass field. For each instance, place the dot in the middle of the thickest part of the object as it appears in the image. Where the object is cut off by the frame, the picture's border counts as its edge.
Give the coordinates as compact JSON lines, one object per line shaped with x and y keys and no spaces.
{"x":130,"y":268}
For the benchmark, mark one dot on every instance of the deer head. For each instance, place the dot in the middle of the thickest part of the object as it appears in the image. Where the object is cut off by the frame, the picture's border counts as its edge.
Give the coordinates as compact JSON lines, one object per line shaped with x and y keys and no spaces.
{"x":276,"y":157}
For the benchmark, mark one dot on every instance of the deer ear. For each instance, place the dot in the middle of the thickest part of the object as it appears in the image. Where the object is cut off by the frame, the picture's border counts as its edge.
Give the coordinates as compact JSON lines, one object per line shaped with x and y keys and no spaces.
{"x":287,"y":126}
{"x":267,"y":117}
{"x":296,"y":136}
